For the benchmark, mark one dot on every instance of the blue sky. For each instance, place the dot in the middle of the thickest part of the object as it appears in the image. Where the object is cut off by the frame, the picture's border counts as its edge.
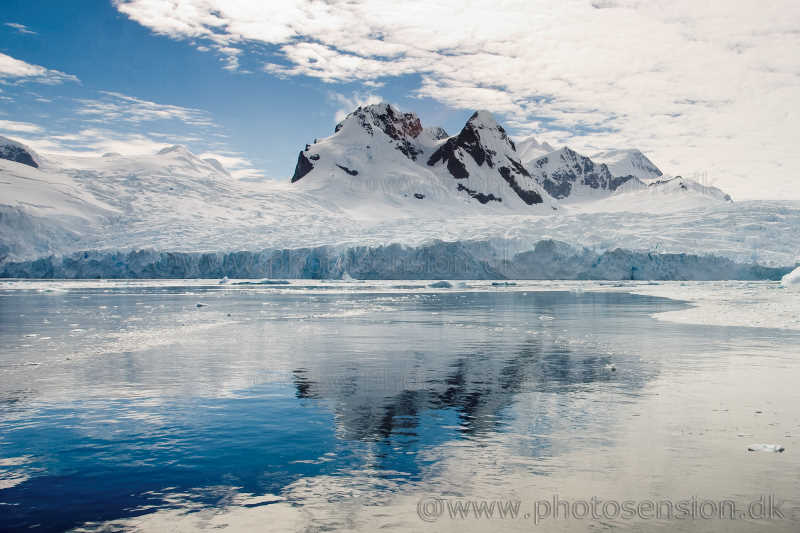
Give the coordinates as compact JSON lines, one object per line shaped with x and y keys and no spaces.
{"x":252,"y":114}
{"x":708,"y":89}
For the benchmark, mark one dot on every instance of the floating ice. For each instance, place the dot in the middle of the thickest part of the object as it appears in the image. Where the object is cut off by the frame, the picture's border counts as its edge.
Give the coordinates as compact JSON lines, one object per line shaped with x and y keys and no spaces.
{"x":772,"y":448}
{"x":264,"y":282}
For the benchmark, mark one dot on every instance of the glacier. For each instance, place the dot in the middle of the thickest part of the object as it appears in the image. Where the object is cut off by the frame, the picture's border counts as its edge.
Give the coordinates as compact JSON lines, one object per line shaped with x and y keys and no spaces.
{"x":549,"y":260}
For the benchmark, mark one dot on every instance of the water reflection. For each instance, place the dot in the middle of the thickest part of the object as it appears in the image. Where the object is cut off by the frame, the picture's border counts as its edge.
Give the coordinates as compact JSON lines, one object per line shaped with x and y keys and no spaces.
{"x":285,"y":407}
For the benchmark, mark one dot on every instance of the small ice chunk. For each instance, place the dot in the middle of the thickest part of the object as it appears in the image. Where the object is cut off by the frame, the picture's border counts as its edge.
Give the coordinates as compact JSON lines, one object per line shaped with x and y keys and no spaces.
{"x":610,"y":367}
{"x":772,"y":448}
{"x":224,"y":280}
{"x":545,"y":317}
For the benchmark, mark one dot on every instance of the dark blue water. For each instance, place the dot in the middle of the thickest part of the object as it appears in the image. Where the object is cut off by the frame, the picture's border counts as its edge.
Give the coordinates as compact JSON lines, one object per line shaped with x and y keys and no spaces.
{"x":121,"y":403}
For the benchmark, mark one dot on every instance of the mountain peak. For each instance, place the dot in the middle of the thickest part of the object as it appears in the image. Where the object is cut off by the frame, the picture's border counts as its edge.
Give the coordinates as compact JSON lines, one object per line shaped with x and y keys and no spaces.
{"x":530,"y":149}
{"x":19,"y":153}
{"x":485,"y":118}
{"x":437,"y":133}
{"x":176,"y":149}
{"x":628,"y":162}
{"x":386,"y":118}
{"x":482,"y":142}
{"x":566,"y":173}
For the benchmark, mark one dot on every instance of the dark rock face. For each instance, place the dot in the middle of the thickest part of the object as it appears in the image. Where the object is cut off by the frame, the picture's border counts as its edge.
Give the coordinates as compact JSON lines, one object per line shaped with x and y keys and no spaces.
{"x":469,"y":141}
{"x":557,"y":189}
{"x":303,"y":167}
{"x":481,"y":197}
{"x":447,"y":152}
{"x":17,"y":154}
{"x":574,"y":168}
{"x":529,"y":197}
{"x":348,"y":170}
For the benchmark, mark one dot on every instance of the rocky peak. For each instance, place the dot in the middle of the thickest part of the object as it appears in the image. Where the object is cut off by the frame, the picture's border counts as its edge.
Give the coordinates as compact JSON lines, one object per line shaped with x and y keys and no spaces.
{"x":385,"y":118}
{"x":17,"y":152}
{"x":560,"y":172}
{"x":481,"y":137}
{"x":484,"y":141}
{"x":436,"y":133}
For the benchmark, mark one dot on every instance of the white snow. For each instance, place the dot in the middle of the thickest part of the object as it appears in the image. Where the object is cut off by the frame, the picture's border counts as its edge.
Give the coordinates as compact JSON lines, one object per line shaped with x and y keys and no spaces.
{"x":760,"y":304}
{"x":628,"y":162}
{"x":530,"y":149}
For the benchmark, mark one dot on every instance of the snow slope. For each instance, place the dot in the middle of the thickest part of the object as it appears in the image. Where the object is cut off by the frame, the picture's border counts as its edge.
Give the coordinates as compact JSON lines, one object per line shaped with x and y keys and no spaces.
{"x":628,"y":162}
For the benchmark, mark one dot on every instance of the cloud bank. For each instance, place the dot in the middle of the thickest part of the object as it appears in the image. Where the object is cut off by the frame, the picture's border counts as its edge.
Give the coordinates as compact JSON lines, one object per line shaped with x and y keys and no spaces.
{"x":17,"y":71}
{"x":708,"y":87}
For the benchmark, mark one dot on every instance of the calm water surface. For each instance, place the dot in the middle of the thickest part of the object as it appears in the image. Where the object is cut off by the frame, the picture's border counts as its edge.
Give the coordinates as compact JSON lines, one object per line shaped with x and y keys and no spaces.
{"x":363,"y":407}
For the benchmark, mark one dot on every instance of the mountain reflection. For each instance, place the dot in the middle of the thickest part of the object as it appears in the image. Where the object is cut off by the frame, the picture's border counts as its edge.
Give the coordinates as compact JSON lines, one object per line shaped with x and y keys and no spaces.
{"x":374,"y":405}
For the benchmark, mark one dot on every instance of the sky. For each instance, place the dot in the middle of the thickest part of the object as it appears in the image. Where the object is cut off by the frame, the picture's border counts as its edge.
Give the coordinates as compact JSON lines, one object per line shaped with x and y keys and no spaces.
{"x":709,"y":90}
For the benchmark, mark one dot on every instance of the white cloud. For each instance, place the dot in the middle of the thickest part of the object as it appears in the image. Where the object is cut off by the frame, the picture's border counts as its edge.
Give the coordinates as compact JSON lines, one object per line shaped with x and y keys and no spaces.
{"x":700,"y":86}
{"x":18,"y":71}
{"x":21,"y":28}
{"x":21,"y":127}
{"x":236,"y":164}
{"x":349,"y":103}
{"x":95,"y":142}
{"x":100,"y":127}
{"x":123,"y":108}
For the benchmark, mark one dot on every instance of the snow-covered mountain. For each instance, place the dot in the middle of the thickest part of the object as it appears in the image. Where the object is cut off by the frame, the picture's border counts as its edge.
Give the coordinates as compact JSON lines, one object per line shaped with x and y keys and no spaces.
{"x":679,"y":186}
{"x":568,"y":175}
{"x":628,"y":162}
{"x":382,"y":181}
{"x":378,"y":155}
{"x":484,"y":162}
